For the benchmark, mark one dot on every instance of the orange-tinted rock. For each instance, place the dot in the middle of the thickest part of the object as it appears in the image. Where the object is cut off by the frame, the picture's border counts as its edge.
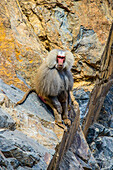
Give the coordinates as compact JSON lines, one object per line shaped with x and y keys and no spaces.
{"x":29,"y":28}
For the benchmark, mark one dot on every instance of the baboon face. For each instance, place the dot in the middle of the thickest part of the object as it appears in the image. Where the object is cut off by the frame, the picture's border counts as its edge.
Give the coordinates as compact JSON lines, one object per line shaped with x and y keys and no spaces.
{"x":60,"y":60}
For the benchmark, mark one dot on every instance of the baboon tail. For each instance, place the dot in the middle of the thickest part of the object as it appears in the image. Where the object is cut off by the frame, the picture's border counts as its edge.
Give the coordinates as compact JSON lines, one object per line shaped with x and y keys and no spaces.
{"x":25,"y":96}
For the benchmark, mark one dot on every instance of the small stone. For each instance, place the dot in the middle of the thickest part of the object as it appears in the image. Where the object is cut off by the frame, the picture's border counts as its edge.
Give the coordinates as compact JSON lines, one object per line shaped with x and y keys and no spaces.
{"x":92,"y":134}
{"x":99,"y":126}
{"x":98,"y":142}
{"x":106,"y":131}
{"x":93,"y":146}
{"x":111,"y":132}
{"x":2,"y":98}
{"x":6,"y":120}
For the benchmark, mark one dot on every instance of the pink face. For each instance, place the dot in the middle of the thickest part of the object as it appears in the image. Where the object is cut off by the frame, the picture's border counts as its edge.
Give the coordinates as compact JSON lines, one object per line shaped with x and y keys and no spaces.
{"x":60,"y":59}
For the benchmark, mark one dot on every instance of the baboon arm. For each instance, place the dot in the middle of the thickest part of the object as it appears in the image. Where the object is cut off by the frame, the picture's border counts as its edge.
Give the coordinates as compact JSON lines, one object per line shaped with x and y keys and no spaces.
{"x":25,"y":96}
{"x":58,"y":118}
{"x":56,"y":104}
{"x":65,"y":110}
{"x":65,"y":106}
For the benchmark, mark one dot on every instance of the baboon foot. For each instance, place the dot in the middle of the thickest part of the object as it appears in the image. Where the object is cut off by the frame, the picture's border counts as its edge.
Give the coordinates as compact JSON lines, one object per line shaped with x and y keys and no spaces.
{"x":67,"y":122}
{"x":61,"y":125}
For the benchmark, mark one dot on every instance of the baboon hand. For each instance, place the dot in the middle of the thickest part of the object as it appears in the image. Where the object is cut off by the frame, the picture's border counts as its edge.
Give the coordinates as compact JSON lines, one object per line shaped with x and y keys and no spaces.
{"x":67,"y":122}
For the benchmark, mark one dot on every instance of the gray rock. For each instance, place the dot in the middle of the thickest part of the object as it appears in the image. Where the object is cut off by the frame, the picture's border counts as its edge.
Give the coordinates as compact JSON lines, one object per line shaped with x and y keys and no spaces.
{"x":88,"y":45}
{"x":2,"y":98}
{"x":70,"y":162}
{"x":6,"y":120}
{"x":64,"y":30}
{"x":80,"y":94}
{"x":78,"y":155}
{"x":101,"y":140}
{"x":4,"y":163}
{"x":18,"y":150}
{"x":82,"y":98}
{"x":111,"y":132}
{"x":104,"y":154}
{"x":21,"y":150}
{"x":106,"y":113}
{"x":89,"y":49}
{"x":15,"y":94}
{"x":97,"y":130}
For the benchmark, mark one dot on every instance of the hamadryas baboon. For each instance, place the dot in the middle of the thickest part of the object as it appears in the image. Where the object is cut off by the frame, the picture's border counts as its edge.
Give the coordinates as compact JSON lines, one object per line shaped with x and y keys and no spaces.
{"x":54,"y":82}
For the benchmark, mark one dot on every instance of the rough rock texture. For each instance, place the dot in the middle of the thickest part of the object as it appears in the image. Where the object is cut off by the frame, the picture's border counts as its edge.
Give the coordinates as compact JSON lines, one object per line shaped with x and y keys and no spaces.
{"x":35,"y":147}
{"x":6,"y":121}
{"x":106,"y":113}
{"x":73,"y":151}
{"x":88,"y":49}
{"x":78,"y":156}
{"x":20,"y":151}
{"x":82,"y":97}
{"x":32,"y":117}
{"x":100,"y":135}
{"x":97,"y":96}
{"x":28,"y":30}
{"x":103,"y":83}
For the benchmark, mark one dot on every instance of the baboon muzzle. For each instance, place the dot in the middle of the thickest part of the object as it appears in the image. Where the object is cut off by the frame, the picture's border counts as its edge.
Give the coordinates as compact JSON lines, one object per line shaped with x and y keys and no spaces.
{"x":60,"y":60}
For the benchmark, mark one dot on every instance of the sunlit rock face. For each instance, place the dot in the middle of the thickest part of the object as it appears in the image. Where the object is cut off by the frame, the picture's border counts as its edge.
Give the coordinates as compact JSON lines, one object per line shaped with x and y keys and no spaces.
{"x":29,"y":29}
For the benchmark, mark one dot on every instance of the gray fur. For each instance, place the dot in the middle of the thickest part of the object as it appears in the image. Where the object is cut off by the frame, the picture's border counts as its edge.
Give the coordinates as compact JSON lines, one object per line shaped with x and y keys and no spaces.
{"x":50,"y":81}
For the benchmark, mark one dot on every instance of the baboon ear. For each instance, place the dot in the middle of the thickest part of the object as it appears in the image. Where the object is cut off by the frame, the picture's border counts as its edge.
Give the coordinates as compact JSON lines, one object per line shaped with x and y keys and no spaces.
{"x":51,"y":58}
{"x":69,"y":59}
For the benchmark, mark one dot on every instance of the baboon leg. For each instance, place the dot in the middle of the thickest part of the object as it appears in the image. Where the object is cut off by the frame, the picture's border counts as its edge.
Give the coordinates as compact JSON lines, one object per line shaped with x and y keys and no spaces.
{"x":65,"y":113}
{"x":56,"y":114}
{"x":58,"y":119}
{"x":56,"y":104}
{"x":57,"y":108}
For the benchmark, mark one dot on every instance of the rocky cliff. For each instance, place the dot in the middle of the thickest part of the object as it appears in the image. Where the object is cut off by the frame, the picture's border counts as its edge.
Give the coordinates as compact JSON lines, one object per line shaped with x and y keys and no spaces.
{"x":29,"y":138}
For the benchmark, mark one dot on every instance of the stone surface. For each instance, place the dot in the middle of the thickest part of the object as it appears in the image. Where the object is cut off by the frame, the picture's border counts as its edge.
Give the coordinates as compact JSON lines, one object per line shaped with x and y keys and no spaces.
{"x":104,"y":151}
{"x":82,"y":97}
{"x":100,"y":135}
{"x":32,"y":117}
{"x":29,"y":29}
{"x":35,"y":120}
{"x":103,"y":84}
{"x":90,"y":50}
{"x":20,"y":151}
{"x":6,"y":120}
{"x":106,"y":113}
{"x":2,"y":98}
{"x":78,"y":156}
